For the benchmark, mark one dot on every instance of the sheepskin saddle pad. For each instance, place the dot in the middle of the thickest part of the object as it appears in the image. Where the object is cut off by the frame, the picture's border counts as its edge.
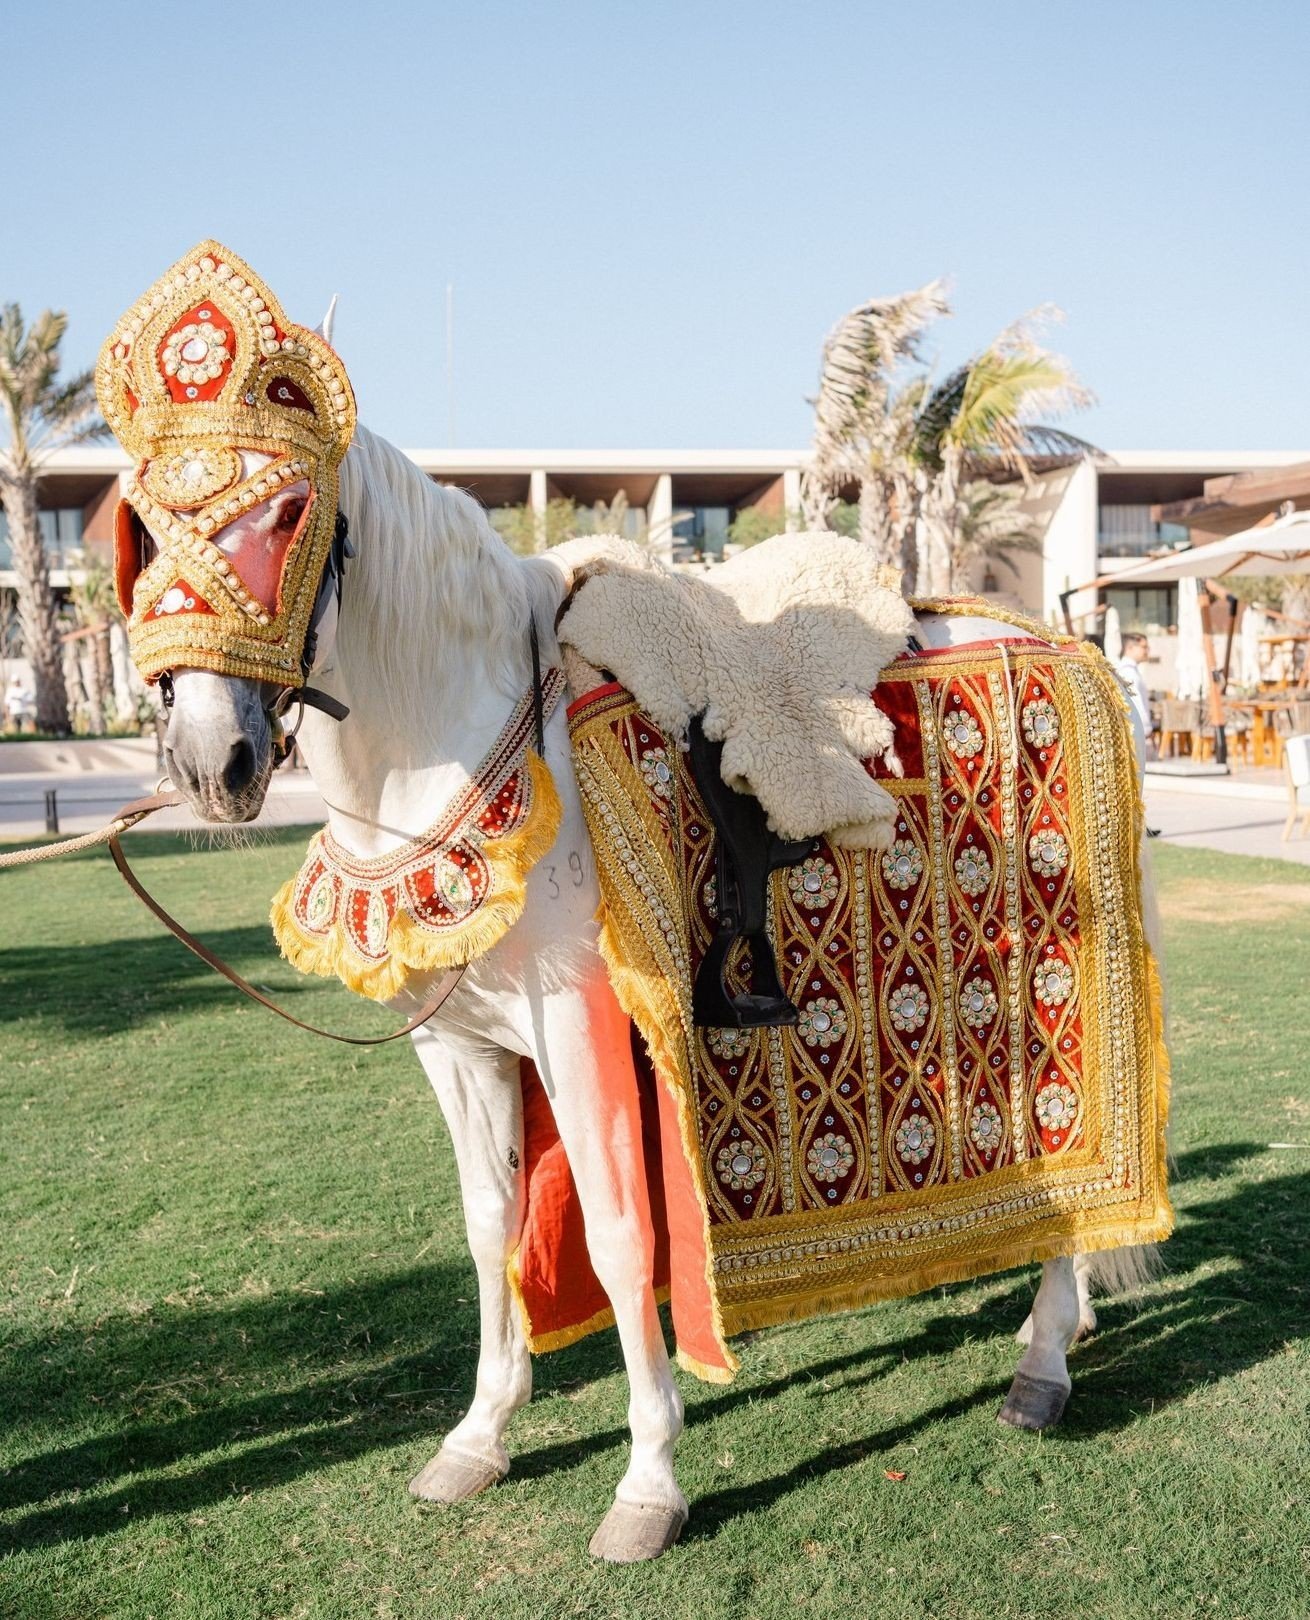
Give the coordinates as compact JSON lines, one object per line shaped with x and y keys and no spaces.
{"x":780,"y":650}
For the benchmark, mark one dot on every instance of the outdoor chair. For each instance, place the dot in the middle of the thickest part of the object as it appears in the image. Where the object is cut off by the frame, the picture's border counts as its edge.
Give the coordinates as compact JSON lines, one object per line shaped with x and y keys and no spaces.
{"x":1296,"y":765}
{"x":1237,"y":729}
{"x":1180,"y":720}
{"x":1293,"y":721}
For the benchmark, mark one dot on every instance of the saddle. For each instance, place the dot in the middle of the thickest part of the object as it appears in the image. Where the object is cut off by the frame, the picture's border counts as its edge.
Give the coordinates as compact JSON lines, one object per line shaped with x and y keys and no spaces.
{"x":766,"y":668}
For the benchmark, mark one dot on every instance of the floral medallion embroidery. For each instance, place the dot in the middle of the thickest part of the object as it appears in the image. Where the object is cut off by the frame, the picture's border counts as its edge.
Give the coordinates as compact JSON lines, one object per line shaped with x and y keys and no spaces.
{"x":978,"y":1003}
{"x":656,"y":771}
{"x":196,"y":353}
{"x":914,"y":1138}
{"x":740,"y":1164}
{"x":1053,"y":982}
{"x":985,"y":1128}
{"x":1057,"y":1107}
{"x":191,"y":477}
{"x":822,"y":1022}
{"x":962,"y":734}
{"x":908,"y":1006}
{"x":814,"y":882}
{"x":973,"y":871}
{"x":376,"y":924}
{"x":902,"y":865}
{"x":320,"y":907}
{"x":727,"y":1043}
{"x":830,"y":1157}
{"x":1041,"y":724}
{"x":1049,"y":852}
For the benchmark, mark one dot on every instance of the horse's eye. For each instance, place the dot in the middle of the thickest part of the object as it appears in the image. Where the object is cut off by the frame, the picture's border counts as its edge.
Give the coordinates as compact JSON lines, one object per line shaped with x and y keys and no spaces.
{"x":290,"y":512}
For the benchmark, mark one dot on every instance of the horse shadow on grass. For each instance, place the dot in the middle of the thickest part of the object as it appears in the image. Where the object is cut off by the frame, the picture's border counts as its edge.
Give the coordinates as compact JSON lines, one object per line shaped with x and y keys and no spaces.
{"x":132,"y":981}
{"x":353,"y":1383}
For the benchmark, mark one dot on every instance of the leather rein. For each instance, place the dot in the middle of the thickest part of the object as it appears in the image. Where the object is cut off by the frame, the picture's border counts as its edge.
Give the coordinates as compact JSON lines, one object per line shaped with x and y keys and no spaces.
{"x":139,"y":809}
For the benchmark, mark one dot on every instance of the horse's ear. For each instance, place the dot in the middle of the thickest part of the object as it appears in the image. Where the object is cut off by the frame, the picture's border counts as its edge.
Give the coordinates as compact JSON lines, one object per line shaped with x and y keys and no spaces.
{"x":324,"y":327}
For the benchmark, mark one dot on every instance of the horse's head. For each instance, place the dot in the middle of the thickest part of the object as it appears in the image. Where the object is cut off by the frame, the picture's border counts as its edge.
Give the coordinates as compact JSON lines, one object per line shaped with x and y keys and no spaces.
{"x":238,"y":420}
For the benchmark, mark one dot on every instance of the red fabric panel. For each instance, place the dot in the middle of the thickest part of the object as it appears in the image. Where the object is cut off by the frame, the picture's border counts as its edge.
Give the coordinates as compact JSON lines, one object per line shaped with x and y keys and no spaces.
{"x":559,"y":1287}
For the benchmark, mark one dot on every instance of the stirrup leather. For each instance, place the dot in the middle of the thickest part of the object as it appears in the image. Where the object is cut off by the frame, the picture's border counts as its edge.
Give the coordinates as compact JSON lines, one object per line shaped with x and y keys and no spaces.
{"x":746,"y":854}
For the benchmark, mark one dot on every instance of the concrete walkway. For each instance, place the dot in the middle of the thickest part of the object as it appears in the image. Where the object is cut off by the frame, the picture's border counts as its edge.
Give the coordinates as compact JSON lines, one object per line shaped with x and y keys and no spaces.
{"x":91,"y":780}
{"x":1242,"y":814}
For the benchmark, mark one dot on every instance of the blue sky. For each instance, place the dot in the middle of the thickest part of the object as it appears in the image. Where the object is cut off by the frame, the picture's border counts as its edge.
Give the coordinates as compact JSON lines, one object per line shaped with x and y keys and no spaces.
{"x":653,"y":213}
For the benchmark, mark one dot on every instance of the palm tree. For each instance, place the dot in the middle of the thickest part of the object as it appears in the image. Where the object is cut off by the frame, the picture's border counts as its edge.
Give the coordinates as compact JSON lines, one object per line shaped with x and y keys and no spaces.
{"x":910,"y":447}
{"x":864,"y":425}
{"x":982,"y":419}
{"x":95,"y":607}
{"x":991,"y":527}
{"x":41,"y":414}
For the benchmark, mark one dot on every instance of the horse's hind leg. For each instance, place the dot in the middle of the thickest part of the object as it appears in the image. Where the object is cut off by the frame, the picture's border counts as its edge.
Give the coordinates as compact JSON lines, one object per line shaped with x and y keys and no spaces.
{"x":482,"y":1100}
{"x":1041,"y":1383}
{"x":1082,"y":1272}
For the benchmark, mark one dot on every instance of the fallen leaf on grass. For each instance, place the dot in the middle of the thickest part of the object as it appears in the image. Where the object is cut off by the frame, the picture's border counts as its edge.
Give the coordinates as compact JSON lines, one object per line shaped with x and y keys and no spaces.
{"x":896,"y":1474}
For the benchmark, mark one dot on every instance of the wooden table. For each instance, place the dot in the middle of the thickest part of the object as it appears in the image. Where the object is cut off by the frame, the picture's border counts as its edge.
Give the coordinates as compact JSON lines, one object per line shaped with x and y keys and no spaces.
{"x":1264,"y":735}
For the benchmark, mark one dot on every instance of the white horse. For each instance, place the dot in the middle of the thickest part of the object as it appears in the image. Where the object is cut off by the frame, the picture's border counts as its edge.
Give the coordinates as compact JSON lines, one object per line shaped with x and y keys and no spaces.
{"x":430,"y":652}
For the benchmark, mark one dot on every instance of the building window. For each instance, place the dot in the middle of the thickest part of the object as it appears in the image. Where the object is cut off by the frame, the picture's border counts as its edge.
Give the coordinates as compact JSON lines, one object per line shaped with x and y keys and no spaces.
{"x":61,"y":535}
{"x":703,"y":529}
{"x":1130,"y":531}
{"x":1144,"y":607}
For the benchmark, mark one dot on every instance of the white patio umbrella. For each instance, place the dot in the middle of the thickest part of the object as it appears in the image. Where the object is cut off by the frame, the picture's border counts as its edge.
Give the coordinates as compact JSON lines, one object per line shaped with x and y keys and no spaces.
{"x":1114,"y":638}
{"x":1280,"y":547}
{"x":1254,"y":625}
{"x":1190,"y":680}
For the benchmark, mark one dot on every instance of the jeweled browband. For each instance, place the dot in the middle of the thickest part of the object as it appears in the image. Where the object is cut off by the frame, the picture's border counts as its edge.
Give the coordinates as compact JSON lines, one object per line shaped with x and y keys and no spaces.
{"x":224,"y":404}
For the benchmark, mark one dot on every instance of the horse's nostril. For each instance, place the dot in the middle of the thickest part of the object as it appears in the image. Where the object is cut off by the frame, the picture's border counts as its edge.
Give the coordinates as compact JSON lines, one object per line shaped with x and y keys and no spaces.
{"x":182,"y":772}
{"x":239,"y":770}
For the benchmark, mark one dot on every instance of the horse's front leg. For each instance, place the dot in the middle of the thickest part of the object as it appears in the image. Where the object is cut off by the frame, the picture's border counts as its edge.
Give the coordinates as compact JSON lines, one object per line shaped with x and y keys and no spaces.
{"x":481,"y":1097}
{"x":585,"y":1062}
{"x":1041,"y":1382}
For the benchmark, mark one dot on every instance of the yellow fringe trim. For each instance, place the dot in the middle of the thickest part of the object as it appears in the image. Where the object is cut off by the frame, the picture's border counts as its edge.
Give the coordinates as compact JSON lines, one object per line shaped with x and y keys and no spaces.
{"x":412,"y":948}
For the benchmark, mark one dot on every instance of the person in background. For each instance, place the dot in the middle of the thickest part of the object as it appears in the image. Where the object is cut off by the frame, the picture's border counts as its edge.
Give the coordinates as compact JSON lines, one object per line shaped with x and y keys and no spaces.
{"x":20,"y":704}
{"x":1136,"y":650}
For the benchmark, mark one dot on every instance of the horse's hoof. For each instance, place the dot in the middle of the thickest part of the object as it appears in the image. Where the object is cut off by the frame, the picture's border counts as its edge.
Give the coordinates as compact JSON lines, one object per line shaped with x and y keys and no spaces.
{"x":454,"y":1476}
{"x":629,"y":1534}
{"x":1033,"y":1403}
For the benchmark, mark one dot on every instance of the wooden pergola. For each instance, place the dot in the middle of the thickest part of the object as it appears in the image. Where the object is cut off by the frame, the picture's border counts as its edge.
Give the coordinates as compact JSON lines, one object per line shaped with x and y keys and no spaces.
{"x":1239,"y":500}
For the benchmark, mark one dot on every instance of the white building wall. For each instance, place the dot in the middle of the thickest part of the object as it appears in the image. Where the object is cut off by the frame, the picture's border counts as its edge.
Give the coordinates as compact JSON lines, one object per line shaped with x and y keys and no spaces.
{"x":1069,"y":555}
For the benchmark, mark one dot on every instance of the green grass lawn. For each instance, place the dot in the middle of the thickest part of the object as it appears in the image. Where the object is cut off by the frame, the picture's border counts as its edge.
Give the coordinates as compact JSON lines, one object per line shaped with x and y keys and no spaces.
{"x":237,"y":1315}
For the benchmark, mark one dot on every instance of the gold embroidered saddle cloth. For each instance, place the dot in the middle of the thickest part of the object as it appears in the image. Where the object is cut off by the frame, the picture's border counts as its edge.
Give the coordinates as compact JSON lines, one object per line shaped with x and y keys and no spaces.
{"x":978,"y":1078}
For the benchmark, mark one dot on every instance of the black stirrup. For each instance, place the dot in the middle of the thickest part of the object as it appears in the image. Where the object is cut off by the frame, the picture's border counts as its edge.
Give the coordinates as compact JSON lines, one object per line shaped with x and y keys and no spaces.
{"x":746,"y":853}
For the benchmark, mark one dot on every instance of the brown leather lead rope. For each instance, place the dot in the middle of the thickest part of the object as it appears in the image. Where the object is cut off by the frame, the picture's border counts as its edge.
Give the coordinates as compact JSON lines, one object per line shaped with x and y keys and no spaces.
{"x":160,"y":801}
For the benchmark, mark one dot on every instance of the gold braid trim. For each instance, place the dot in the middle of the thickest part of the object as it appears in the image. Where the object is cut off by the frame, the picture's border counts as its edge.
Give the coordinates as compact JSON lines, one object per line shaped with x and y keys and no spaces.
{"x":411,"y":948}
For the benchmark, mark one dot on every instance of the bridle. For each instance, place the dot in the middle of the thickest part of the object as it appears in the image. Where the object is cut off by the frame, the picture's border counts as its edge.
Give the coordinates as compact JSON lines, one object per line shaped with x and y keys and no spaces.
{"x":330,"y":587}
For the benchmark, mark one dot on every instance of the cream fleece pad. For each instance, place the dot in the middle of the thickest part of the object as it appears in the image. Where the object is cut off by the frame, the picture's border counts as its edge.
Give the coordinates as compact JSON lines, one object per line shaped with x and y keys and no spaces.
{"x":779,"y":648}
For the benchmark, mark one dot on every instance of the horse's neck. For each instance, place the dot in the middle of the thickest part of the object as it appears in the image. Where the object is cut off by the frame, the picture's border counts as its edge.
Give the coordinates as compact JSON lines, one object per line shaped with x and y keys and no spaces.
{"x":431,"y":654}
{"x":381,"y":793}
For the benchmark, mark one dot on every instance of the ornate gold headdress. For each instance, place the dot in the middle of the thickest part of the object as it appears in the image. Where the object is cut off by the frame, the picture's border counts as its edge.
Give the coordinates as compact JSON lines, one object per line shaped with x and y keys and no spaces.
{"x":224,"y":403}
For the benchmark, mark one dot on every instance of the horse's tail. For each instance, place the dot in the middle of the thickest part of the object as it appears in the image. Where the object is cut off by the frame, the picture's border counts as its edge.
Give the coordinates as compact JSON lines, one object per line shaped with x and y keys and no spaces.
{"x":1123,"y":1271}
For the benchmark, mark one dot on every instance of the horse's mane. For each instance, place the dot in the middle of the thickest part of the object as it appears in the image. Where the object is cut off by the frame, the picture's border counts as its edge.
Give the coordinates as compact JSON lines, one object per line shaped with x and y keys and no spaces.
{"x":433,"y":597}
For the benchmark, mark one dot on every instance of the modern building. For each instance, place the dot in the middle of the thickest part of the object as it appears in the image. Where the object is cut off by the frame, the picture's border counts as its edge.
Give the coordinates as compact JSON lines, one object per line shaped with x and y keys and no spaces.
{"x":1095,"y":517}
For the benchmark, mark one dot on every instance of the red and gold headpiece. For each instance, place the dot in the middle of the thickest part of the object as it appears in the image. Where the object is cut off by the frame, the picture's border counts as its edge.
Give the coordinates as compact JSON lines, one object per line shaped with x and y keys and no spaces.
{"x":223,"y":403}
